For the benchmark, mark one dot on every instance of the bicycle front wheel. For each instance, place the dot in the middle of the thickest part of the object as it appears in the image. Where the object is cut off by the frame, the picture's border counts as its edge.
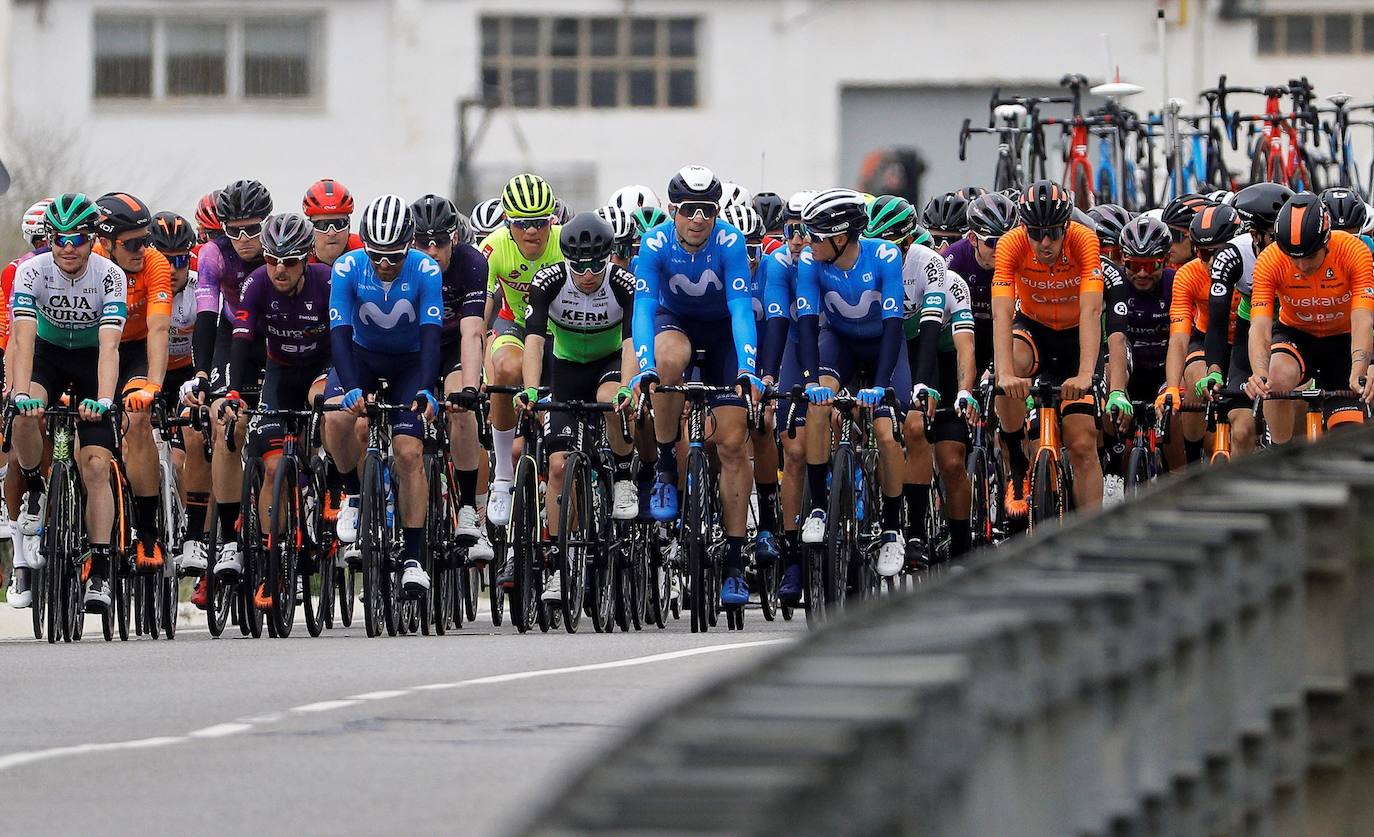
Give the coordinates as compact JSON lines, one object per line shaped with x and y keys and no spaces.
{"x":1137,"y":470}
{"x":523,"y":543}
{"x":1047,"y":493}
{"x":376,"y":538}
{"x":286,"y":540}
{"x":839,"y":527}
{"x":693,"y":536}
{"x":576,"y":536}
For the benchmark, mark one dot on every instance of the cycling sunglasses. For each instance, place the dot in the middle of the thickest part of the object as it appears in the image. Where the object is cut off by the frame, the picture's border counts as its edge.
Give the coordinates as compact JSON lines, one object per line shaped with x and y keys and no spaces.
{"x":289,"y":261}
{"x":1177,"y":234}
{"x":180,"y":261}
{"x":246,"y":231}
{"x":587,"y":265}
{"x":1135,"y":266}
{"x":425,"y":241}
{"x":330,"y":225}
{"x":753,"y":250}
{"x":795,"y":229}
{"x":691,"y":209}
{"x":528,"y":224}
{"x":135,"y":245}
{"x":390,"y":258}
{"x":70,"y":240}
{"x":989,"y":241}
{"x":1042,"y":233}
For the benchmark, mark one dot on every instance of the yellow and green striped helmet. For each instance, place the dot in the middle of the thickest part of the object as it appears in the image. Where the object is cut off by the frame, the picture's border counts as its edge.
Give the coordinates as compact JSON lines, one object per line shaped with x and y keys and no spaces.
{"x":527,"y":196}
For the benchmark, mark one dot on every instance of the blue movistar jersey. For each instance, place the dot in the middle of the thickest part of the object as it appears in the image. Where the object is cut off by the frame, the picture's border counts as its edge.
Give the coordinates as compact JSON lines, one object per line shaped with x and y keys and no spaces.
{"x":855,"y":301}
{"x":711,"y":284}
{"x":779,"y":282}
{"x":386,"y":317}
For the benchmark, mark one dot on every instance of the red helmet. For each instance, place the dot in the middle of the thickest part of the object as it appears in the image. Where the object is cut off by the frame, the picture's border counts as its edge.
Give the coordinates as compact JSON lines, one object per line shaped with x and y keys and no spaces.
{"x":327,"y":197}
{"x":207,"y":217}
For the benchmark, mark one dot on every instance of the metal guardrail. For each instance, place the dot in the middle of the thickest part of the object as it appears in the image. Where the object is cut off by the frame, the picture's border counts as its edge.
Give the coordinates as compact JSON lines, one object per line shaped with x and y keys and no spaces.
{"x":1199,"y":661}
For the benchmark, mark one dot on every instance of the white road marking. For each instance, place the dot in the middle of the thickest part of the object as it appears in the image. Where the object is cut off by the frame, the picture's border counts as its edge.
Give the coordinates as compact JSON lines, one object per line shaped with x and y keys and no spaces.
{"x":13,"y":760}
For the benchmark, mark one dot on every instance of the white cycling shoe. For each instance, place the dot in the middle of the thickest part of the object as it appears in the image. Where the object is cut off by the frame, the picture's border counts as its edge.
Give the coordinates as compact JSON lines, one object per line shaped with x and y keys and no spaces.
{"x":499,"y":503}
{"x":229,"y":562}
{"x":469,"y":527}
{"x":346,"y":527}
{"x":813,"y":530}
{"x":625,"y":504}
{"x":414,"y":580}
{"x":192,"y":556}
{"x":553,"y":590}
{"x":892,"y":554}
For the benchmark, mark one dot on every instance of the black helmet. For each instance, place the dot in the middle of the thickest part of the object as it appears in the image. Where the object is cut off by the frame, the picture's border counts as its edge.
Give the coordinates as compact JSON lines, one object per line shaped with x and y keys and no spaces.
{"x":1180,"y":211}
{"x":1109,"y":219}
{"x":836,"y":212}
{"x":1303,"y":226}
{"x":1085,"y":219}
{"x":172,"y":233}
{"x":287,"y":235}
{"x":587,"y":237}
{"x":1045,"y":203}
{"x":968,"y":193}
{"x":121,"y":212}
{"x":243,"y":199}
{"x":771,"y":207}
{"x":992,"y":214}
{"x":1214,"y":226}
{"x":694,"y":183}
{"x":463,"y":232}
{"x":947,"y":213}
{"x":1348,"y":210}
{"x":1259,"y":203}
{"x":1145,"y":238}
{"x":434,"y":215}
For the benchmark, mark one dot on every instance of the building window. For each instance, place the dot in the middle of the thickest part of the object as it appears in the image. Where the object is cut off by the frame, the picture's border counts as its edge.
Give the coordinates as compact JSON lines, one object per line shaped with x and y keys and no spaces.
{"x":1333,"y":33}
{"x":218,"y":58}
{"x":590,"y":62}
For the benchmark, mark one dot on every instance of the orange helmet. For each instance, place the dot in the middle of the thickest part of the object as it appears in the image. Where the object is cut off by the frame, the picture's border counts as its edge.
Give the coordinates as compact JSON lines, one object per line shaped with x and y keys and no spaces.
{"x":207,"y":217}
{"x":327,"y":197}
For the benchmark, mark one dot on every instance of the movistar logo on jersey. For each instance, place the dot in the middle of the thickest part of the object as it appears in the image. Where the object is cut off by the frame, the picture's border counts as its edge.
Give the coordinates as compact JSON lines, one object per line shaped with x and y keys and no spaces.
{"x":402,"y":312}
{"x":726,"y":238}
{"x":888,"y":253}
{"x":656,"y":241}
{"x":681,"y":284}
{"x":856,"y":311}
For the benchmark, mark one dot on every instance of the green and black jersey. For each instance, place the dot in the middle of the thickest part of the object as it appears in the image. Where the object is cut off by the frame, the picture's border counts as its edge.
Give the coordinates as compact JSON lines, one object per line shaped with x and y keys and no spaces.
{"x":584,"y":327}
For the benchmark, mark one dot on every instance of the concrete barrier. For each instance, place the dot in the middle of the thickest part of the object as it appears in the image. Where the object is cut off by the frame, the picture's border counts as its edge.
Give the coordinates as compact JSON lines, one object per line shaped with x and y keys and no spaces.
{"x":1198,"y":661}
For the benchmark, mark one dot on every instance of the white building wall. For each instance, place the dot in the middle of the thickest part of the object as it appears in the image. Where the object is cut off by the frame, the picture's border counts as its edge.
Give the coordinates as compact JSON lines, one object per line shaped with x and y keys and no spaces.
{"x":771,"y":73}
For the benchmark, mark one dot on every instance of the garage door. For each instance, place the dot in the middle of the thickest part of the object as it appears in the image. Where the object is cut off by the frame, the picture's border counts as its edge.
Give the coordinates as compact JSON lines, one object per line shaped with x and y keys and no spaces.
{"x":927,"y":120}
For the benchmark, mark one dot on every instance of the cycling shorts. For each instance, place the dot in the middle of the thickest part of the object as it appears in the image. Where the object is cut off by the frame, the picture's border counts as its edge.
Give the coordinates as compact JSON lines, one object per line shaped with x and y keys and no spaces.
{"x":850,"y":362}
{"x":171,"y":397}
{"x":789,"y":376}
{"x":1196,"y":352}
{"x":1325,"y":359}
{"x":576,"y":382}
{"x":285,"y":388}
{"x":948,"y":425}
{"x":716,"y":339}
{"x":133,"y":366}
{"x":58,"y":370}
{"x":224,"y":345}
{"x":450,"y":358}
{"x":507,"y":333}
{"x":1054,"y":354}
{"x":401,"y":372}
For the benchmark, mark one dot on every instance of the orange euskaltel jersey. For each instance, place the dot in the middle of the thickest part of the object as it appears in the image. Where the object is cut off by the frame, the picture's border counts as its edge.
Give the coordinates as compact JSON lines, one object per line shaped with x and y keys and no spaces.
{"x":1188,"y":308}
{"x":150,"y":292}
{"x":1048,"y":294}
{"x":1320,"y":302}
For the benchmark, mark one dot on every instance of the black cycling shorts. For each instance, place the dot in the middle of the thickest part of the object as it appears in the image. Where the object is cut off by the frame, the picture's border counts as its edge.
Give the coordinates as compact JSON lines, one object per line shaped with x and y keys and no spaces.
{"x":58,"y":370}
{"x":576,"y":382}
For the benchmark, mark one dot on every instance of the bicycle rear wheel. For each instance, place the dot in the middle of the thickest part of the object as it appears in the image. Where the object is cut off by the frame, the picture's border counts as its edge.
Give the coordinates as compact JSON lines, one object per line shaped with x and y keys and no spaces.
{"x":523,"y":543}
{"x":375,"y":540}
{"x":59,"y":531}
{"x":839,"y":527}
{"x":496,"y":594}
{"x":251,"y":550}
{"x":980,"y":524}
{"x":576,"y":537}
{"x":438,"y":536}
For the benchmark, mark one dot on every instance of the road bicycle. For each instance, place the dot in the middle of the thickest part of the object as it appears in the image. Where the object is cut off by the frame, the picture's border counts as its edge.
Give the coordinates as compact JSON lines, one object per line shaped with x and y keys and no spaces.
{"x":1317,"y":402}
{"x":1149,"y":434}
{"x":479,"y":575}
{"x":1278,"y":149}
{"x":1051,"y":488}
{"x":987,"y":472}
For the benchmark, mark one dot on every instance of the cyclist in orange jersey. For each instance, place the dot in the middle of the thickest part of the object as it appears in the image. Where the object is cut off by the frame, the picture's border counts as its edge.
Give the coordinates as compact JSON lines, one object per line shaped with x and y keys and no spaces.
{"x":1322,"y":283}
{"x":125,"y":236}
{"x":1047,"y":319}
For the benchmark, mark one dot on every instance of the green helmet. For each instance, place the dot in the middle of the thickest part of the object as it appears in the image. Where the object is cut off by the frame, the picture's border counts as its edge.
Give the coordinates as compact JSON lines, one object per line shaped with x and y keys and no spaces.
{"x":647,"y":217}
{"x":920,"y":235}
{"x":890,"y":218}
{"x":71,"y":213}
{"x":527,"y":196}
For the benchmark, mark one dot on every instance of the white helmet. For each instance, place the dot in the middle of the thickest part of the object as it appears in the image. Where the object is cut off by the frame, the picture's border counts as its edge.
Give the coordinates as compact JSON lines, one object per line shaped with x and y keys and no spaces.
{"x":486,"y":217}
{"x":387,"y":224}
{"x":733,"y":193}
{"x":621,"y":225}
{"x":745,"y":218}
{"x":31,"y":226}
{"x":1157,"y":214}
{"x":630,"y":198}
{"x":797,"y":203}
{"x":1368,"y":220}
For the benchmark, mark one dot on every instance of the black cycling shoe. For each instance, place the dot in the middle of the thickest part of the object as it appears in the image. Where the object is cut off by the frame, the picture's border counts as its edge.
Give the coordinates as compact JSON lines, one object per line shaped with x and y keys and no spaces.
{"x":505,"y":576}
{"x":917,"y":558}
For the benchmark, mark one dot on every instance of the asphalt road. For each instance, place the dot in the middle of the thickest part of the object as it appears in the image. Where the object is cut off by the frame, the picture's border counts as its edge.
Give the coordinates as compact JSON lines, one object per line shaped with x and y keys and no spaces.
{"x":463,"y":734}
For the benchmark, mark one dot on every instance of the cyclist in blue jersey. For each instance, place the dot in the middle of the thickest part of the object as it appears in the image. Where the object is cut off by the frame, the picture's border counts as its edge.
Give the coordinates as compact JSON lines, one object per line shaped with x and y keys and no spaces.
{"x":857,"y":284}
{"x":386,"y":311}
{"x":779,"y":366}
{"x":692,"y":292}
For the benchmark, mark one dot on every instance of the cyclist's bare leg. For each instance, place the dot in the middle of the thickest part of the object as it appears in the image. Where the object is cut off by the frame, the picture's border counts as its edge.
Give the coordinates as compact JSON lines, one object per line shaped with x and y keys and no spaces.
{"x":731,"y":438}
{"x":95,"y":475}
{"x":1193,"y":425}
{"x":226,"y":466}
{"x":793,"y":472}
{"x":414,"y":483}
{"x":553,"y":493}
{"x":951,"y":459}
{"x":673,"y":351}
{"x":1242,"y":432}
{"x":340,"y":437}
{"x":1283,"y":378}
{"x":1080,"y":439}
{"x":1011,"y":412}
